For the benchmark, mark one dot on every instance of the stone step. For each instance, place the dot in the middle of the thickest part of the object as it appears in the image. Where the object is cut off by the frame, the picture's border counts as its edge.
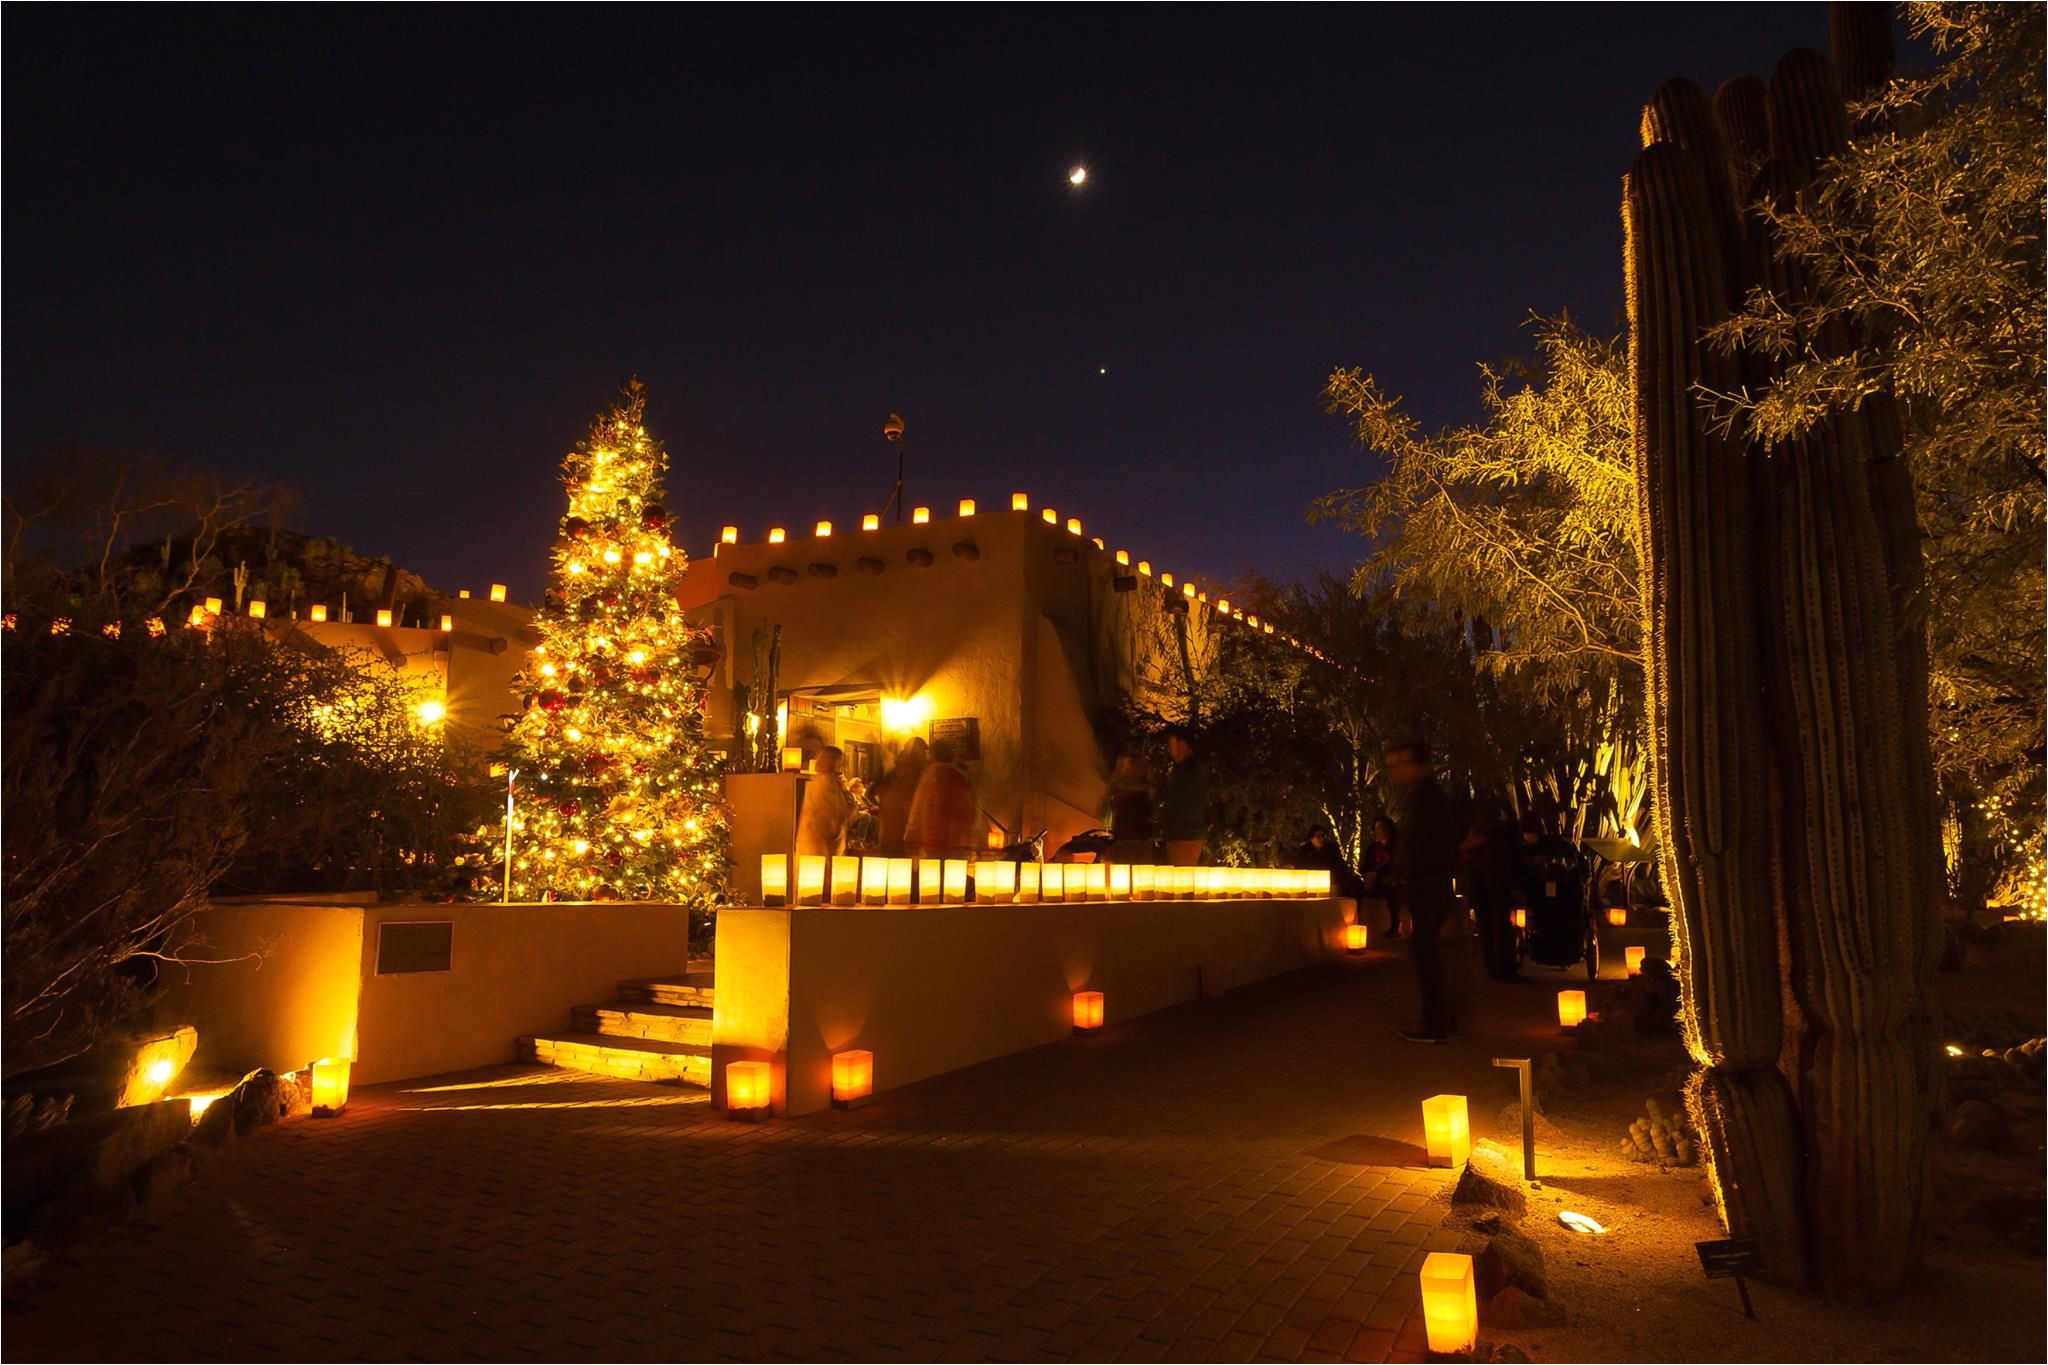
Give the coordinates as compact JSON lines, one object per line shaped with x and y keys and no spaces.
{"x":692,"y":989}
{"x":662,"y":1023}
{"x":632,"y":1059}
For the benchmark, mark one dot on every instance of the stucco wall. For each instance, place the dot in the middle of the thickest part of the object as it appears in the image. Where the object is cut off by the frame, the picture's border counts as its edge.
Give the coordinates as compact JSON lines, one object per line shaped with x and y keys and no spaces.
{"x":286,"y":993}
{"x":931,"y":990}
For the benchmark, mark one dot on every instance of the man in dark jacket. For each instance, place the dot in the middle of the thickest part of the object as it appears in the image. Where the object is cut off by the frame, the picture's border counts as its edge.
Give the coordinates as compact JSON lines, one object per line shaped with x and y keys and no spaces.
{"x":1425,"y":860}
{"x":1184,"y":805}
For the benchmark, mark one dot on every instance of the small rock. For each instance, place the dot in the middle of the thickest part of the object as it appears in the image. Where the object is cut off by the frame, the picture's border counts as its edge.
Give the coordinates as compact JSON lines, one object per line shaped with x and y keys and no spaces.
{"x":258,"y":1101}
{"x":1513,"y":1309}
{"x":1488,"y":1222}
{"x":216,"y":1127}
{"x":1512,"y":1258}
{"x":1976,"y":1124}
{"x":1509,"y":1354}
{"x":163,"y":1173}
{"x":1490,"y":1179}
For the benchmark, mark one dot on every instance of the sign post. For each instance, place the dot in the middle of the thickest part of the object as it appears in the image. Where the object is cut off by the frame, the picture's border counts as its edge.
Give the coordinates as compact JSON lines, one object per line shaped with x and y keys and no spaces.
{"x":1732,"y":1259}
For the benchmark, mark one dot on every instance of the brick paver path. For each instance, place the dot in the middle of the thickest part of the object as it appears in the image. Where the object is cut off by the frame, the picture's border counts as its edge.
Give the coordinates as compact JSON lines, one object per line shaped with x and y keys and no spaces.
{"x":1231,"y":1180}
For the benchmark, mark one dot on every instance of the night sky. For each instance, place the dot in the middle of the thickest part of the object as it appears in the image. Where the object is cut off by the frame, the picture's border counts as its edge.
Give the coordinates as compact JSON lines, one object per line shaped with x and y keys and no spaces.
{"x":396,"y":258}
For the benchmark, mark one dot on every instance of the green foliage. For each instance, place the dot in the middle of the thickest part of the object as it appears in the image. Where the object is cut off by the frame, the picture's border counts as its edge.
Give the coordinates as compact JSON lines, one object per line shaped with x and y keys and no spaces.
{"x":1922,"y":253}
{"x":1523,"y":521}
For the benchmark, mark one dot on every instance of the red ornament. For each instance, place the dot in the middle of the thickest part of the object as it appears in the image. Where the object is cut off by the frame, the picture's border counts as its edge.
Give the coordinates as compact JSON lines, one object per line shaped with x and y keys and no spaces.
{"x":551,"y":701}
{"x":652,"y":517}
{"x":576,"y":528}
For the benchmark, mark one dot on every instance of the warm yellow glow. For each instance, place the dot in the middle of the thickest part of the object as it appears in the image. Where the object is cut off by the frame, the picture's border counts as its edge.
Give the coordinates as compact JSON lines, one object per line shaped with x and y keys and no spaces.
{"x":258,"y":609}
{"x":853,"y":1075}
{"x":330,"y":1086}
{"x":611,"y":556}
{"x":920,"y":516}
{"x":1571,"y":1008}
{"x":905,"y":714}
{"x":642,"y":557}
{"x":822,"y":529}
{"x":810,"y":878}
{"x":902,"y":880}
{"x":995,"y":880}
{"x":1450,"y":1304}
{"x":1184,"y":883}
{"x":431,"y":711}
{"x":1952,"y":1050}
{"x":729,"y":535}
{"x":497,"y":592}
{"x":1223,"y":605}
{"x":1094,"y":882}
{"x":845,"y":880}
{"x":792,"y":758}
{"x":1123,"y":559}
{"x":874,"y":881}
{"x":159,"y":1072}
{"x":1519,"y":918}
{"x":930,"y":882}
{"x":1617,"y":915}
{"x":1049,"y":516}
{"x":318,"y":612}
{"x":1028,"y":880}
{"x":1052,"y":882}
{"x":1020,"y":502}
{"x":871,"y":522}
{"x":447,"y":623}
{"x":1634,"y":958}
{"x":1087,"y":1011}
{"x":775,"y":535}
{"x":1143,"y":879}
{"x":1078,"y":176}
{"x":1120,"y":881}
{"x":198,"y":617}
{"x":967,"y":507}
{"x":383,"y":617}
{"x":213,"y":606}
{"x":577,"y":566}
{"x":1447,"y":1130}
{"x":746,"y":1086}
{"x":955,"y":876}
{"x":1354,"y":938}
{"x":774,"y":879}
{"x":1073,"y":526}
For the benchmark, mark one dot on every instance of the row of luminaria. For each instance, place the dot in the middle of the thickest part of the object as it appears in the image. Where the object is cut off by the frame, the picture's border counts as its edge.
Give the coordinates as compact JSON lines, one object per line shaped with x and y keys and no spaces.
{"x":816,"y":880}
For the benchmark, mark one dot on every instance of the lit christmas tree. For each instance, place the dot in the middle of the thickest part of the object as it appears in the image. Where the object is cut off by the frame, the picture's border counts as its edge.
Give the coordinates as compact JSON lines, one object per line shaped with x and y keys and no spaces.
{"x":618,"y":796}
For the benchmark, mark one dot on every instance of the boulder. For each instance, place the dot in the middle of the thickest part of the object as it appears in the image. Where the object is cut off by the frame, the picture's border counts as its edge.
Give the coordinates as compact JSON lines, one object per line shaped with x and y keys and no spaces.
{"x":1973,"y":1123}
{"x":216,"y":1127}
{"x":260,"y":1100}
{"x":1511,"y":1122}
{"x":1513,"y":1309}
{"x":91,"y":1156}
{"x":27,"y":1114}
{"x":1511,"y":1258}
{"x":153,"y":1063}
{"x":1491,"y":1179}
{"x":163,"y":1173}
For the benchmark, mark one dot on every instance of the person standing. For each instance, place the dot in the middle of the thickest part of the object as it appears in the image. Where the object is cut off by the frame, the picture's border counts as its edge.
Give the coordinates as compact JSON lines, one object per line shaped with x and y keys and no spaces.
{"x":1130,"y":812}
{"x":1379,"y":873}
{"x":1184,"y":811}
{"x":1488,"y":874}
{"x":941,"y":823}
{"x":1321,"y":851}
{"x":828,"y":806}
{"x":896,"y":791}
{"x":1424,"y":862}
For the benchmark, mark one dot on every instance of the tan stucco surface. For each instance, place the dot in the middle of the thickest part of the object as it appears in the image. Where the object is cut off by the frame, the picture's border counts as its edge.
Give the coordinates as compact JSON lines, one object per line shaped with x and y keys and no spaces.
{"x":285,"y":992}
{"x":931,"y":990}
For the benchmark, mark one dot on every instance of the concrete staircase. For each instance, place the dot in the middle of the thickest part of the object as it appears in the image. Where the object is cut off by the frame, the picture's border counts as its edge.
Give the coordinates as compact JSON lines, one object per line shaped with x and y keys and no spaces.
{"x":657,"y":1030}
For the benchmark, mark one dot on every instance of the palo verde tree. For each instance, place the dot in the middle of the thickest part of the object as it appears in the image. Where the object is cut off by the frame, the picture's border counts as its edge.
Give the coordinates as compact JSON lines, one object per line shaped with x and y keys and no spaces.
{"x":621,"y":794}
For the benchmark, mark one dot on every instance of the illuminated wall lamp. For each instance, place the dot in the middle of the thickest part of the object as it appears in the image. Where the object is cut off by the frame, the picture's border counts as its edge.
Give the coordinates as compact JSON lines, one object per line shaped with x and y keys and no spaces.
{"x":1447,"y":1130}
{"x":853,"y":1078}
{"x":1087,"y":1011}
{"x":747,"y":1093}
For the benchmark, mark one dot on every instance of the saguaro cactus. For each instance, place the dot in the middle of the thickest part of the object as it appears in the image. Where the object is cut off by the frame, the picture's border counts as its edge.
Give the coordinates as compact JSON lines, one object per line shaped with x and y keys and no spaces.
{"x":1787,"y":668}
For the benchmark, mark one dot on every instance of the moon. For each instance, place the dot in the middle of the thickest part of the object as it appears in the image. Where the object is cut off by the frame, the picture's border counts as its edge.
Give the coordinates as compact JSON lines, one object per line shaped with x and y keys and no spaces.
{"x":1078,"y":176}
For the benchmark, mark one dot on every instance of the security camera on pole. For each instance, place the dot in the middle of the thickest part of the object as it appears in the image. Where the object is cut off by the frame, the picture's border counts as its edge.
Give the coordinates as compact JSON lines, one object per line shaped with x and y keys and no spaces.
{"x":893,"y":429}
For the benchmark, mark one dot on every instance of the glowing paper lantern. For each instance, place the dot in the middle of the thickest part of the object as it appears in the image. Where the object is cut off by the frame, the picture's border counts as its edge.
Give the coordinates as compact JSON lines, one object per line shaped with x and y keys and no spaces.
{"x":747,"y":1091}
{"x":317,"y":612}
{"x":954,"y":876}
{"x":846,"y":880}
{"x":1120,"y":882}
{"x":1145,"y":567}
{"x":853,"y":1078}
{"x":1123,"y":559}
{"x":1617,"y":915}
{"x":871,"y":522}
{"x":920,"y":516}
{"x":1354,"y":938}
{"x":874,"y":881}
{"x":1087,"y":1011}
{"x":793,"y":759}
{"x":213,"y":606}
{"x":1020,"y":502}
{"x":1048,"y":516}
{"x":1450,"y":1303}
{"x":497,"y":592}
{"x":1318,"y":882}
{"x":930,"y":881}
{"x":1144,"y":877}
{"x":902,"y":872}
{"x":1205,"y":883}
{"x":1447,"y":1130}
{"x":822,"y":529}
{"x":1028,"y":882}
{"x":258,"y":609}
{"x":729,"y":535}
{"x":1634,"y":958}
{"x":447,"y":623}
{"x":1052,"y":882}
{"x":1094,"y":881}
{"x":810,"y":878}
{"x":1571,"y":1008}
{"x":774,"y":879}
{"x":330,"y":1086}
{"x":995,"y":880}
{"x":967,"y":507}
{"x":1073,"y":526}
{"x":383,"y":616}
{"x":1184,"y":883}
{"x":1520,"y":918}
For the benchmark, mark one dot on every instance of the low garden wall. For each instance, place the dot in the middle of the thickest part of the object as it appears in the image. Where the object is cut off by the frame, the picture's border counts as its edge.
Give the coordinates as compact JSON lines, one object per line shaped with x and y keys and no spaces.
{"x":406,"y":990}
{"x":932,"y":989}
